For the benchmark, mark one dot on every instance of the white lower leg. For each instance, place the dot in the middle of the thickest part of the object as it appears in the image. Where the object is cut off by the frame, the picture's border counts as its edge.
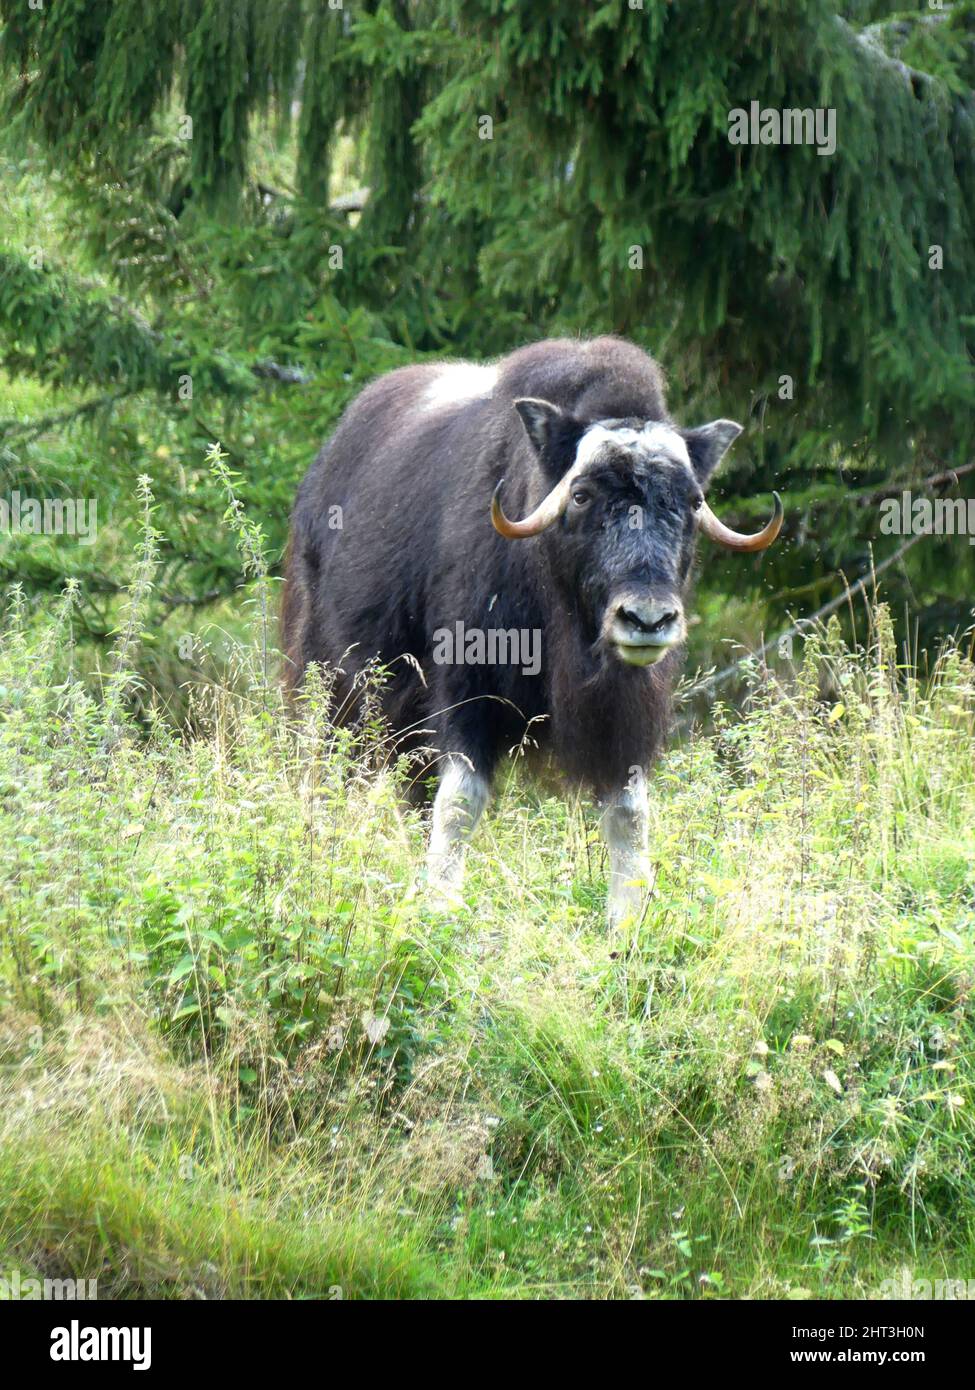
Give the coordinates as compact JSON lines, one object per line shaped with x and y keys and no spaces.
{"x":625,"y":825}
{"x":461,"y":798}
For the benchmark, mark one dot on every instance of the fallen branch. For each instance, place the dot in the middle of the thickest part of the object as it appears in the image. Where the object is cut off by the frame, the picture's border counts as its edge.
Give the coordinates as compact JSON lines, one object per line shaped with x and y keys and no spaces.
{"x":350,"y":202}
{"x":848,"y":594}
{"x":287,"y":376}
{"x":942,"y":479}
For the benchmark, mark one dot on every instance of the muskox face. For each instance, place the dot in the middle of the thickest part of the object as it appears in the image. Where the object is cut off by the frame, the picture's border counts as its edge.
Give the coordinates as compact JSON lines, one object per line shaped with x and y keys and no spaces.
{"x":621,"y":520}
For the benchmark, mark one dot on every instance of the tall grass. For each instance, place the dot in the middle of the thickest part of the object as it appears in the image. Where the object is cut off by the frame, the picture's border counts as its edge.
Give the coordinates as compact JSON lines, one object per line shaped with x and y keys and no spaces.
{"x":240,"y":1055}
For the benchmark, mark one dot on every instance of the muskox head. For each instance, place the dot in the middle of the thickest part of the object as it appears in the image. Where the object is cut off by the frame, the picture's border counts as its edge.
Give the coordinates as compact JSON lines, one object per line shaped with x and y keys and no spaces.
{"x":621,"y":517}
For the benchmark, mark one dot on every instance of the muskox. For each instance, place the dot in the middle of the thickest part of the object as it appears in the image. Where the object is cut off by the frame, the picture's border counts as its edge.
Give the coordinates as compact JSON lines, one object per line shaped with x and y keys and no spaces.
{"x":567,"y":622}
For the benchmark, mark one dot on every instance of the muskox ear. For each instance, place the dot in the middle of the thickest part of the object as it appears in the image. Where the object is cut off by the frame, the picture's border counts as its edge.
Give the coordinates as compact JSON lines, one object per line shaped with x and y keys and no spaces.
{"x":541,"y":420}
{"x":553,"y":433}
{"x":708,"y":444}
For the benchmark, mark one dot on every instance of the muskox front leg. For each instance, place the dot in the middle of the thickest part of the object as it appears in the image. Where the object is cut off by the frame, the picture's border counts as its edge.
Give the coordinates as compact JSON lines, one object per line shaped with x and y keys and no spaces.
{"x":625,"y":824}
{"x":461,"y":798}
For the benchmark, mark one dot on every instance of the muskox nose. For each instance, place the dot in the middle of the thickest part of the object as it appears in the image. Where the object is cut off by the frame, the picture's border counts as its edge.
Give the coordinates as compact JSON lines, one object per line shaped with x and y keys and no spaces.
{"x":641,"y":630}
{"x":650,"y":617}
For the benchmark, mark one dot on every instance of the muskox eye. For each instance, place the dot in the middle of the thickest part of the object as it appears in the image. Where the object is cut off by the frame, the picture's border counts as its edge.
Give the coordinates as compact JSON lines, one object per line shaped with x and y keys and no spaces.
{"x":581,"y":497}
{"x":698,"y":503}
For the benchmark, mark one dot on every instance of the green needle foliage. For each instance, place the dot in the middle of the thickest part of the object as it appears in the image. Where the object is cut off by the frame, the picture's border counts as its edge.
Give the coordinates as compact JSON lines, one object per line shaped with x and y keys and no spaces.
{"x":177,"y":175}
{"x":610,"y":132}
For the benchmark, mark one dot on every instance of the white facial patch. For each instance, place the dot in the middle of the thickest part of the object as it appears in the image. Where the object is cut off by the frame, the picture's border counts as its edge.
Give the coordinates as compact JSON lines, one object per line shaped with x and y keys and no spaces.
{"x":598,"y":435}
{"x":655,"y":438}
{"x":459,"y":381}
{"x":663,"y":439}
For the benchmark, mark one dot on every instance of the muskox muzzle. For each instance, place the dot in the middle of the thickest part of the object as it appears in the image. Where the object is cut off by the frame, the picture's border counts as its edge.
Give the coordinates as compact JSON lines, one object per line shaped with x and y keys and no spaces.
{"x":641,"y":629}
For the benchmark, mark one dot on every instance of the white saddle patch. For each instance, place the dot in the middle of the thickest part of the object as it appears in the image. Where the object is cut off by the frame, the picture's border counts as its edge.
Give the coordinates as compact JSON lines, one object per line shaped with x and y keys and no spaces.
{"x":459,"y":381}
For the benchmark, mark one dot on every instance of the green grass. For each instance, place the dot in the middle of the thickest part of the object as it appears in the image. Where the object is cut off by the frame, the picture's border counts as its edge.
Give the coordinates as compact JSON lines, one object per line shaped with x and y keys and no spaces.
{"x":241,"y":1056}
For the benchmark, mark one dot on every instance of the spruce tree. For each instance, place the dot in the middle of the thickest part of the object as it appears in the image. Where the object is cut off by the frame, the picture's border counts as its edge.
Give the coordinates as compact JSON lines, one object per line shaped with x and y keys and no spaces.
{"x":531,"y":170}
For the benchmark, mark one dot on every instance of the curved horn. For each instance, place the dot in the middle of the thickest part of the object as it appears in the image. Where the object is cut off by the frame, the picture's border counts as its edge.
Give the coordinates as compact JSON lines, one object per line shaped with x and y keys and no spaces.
{"x":548,"y":510}
{"x":735,"y":540}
